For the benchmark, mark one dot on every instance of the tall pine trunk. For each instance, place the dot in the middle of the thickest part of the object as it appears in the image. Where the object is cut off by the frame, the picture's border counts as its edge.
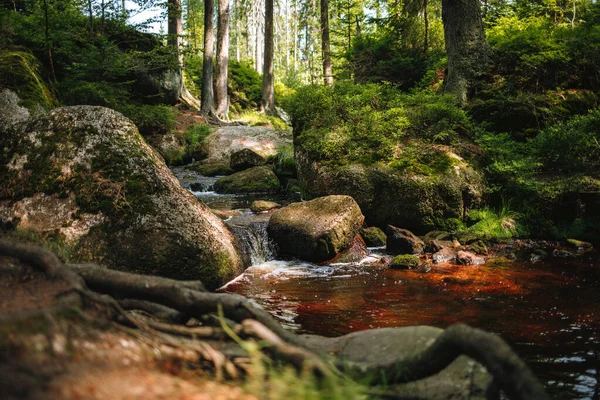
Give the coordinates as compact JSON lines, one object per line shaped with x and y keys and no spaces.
{"x":466,"y":46}
{"x":268,"y":84}
{"x":206,"y":107}
{"x":325,"y":44}
{"x":221,"y":100}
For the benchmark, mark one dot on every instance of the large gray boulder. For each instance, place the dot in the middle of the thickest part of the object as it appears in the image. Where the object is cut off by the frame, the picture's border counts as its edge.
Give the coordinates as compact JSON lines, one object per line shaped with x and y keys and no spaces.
{"x":463,"y":379}
{"x":387,"y":196}
{"x":223,"y":142}
{"x":84,"y":176}
{"x":316,"y":230}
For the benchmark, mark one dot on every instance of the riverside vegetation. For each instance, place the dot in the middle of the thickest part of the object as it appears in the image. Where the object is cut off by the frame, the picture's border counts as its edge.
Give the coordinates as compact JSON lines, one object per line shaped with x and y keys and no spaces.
{"x":440,"y":148}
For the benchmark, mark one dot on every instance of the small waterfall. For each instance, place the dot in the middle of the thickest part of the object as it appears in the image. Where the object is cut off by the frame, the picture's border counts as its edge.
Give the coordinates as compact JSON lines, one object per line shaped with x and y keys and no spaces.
{"x":254,"y":240}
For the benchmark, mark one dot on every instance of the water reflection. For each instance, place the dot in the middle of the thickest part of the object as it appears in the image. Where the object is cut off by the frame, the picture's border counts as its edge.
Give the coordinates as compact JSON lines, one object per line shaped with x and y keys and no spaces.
{"x":547,"y":310}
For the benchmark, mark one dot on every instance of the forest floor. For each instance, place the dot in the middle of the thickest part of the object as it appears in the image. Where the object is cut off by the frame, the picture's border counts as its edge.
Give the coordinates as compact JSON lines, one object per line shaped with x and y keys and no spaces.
{"x":47,"y":355}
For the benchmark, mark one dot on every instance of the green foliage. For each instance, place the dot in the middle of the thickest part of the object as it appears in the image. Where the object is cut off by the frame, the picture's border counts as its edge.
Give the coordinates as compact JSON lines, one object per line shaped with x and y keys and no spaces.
{"x":376,"y":124}
{"x":150,"y":120}
{"x":255,"y":118}
{"x":20,"y":71}
{"x":195,"y":134}
{"x":245,"y":85}
{"x":489,"y":224}
{"x":572,"y":147}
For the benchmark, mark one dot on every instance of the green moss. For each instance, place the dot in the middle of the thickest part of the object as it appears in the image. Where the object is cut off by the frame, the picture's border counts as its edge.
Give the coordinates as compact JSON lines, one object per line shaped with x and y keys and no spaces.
{"x":405,"y":261}
{"x":373,"y":236}
{"x":253,"y":180}
{"x":212,"y":169}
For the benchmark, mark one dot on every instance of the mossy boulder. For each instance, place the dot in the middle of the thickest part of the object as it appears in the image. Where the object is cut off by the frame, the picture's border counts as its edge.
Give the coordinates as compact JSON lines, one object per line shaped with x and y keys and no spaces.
{"x":373,"y":236}
{"x":316,"y":230}
{"x":417,"y":202}
{"x":253,"y":180}
{"x":244,"y":159}
{"x":405,"y":261}
{"x":403,"y":241}
{"x":84,"y":174}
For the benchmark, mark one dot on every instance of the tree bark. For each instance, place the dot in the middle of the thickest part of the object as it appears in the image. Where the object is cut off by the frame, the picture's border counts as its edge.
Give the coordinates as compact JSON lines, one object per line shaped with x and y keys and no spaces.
{"x":466,"y":46}
{"x":206,"y":106}
{"x":221,"y":100}
{"x":268,"y":84}
{"x":325,"y":44}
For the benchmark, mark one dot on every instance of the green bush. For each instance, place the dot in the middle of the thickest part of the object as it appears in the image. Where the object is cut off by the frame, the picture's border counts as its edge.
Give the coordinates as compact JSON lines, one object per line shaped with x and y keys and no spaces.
{"x":245,"y":84}
{"x":571,"y":147}
{"x":150,"y":120}
{"x":376,"y":124}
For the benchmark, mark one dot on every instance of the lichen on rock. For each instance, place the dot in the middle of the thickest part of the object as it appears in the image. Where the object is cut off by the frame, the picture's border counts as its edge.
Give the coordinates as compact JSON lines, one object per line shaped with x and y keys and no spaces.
{"x":88,"y":175}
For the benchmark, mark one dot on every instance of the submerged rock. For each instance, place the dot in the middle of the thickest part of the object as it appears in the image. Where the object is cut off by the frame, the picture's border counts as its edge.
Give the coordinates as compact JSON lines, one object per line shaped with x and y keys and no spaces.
{"x":259,"y":206}
{"x":316,"y":230}
{"x":253,"y":180}
{"x":447,"y":254}
{"x":403,"y":241}
{"x":85,"y":176}
{"x":468,"y":258}
{"x":244,"y":159}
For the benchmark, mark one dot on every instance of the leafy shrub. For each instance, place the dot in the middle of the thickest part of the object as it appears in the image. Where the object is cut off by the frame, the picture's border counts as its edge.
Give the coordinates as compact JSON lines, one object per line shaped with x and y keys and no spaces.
{"x":571,"y":147}
{"x":150,"y":120}
{"x":245,"y":84}
{"x":376,"y":124}
{"x":489,"y":224}
{"x":195,"y":134}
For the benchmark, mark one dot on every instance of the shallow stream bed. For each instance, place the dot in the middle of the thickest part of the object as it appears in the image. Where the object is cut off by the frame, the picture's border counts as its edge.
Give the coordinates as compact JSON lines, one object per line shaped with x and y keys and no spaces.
{"x":548,"y":310}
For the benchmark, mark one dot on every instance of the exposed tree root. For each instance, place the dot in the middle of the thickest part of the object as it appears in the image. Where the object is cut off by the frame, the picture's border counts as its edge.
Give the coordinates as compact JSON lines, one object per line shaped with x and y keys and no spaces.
{"x":510,"y":372}
{"x":176,"y":301}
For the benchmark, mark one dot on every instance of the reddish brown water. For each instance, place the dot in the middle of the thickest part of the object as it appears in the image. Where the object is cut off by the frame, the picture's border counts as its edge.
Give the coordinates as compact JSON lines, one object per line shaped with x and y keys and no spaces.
{"x":549,"y":311}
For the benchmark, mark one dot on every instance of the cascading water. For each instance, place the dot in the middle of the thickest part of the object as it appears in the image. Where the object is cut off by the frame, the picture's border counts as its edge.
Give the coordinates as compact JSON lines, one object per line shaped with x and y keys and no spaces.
{"x":253,"y":237}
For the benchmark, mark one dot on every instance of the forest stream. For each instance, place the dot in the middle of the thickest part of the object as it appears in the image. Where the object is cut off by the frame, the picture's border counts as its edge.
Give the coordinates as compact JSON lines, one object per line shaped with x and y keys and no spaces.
{"x":547,"y":310}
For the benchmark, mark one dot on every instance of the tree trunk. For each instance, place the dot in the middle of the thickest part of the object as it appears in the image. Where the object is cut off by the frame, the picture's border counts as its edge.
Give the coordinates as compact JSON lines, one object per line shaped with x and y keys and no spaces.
{"x":221,"y":100}
{"x":174,"y":34}
{"x":207,"y":62}
{"x":426,"y":20}
{"x":325,"y":44}
{"x":268,"y":85}
{"x":48,"y":42}
{"x":466,"y":46}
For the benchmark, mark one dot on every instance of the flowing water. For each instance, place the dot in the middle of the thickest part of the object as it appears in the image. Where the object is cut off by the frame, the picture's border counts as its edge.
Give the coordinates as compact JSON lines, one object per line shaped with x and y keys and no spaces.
{"x":548,"y":311}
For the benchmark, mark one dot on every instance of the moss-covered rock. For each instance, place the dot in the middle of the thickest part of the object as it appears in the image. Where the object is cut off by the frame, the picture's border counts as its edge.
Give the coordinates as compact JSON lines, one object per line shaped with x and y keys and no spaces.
{"x":244,"y":159}
{"x":84,"y":173}
{"x":373,"y":236}
{"x":403,"y":241}
{"x":405,"y":261}
{"x":253,"y":180}
{"x":316,"y":230}
{"x":417,"y":202}
{"x":259,"y":206}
